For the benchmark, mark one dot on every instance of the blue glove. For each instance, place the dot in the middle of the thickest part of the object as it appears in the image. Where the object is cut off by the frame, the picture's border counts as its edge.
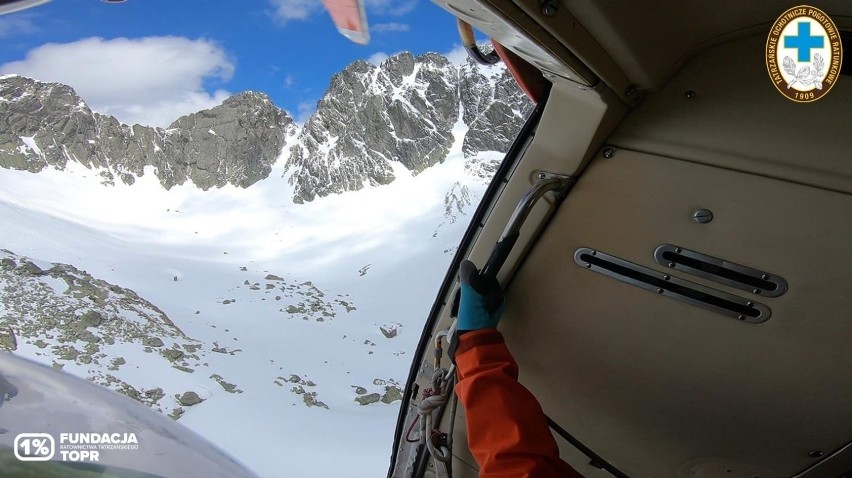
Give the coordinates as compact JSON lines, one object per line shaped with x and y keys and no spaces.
{"x":481,"y":302}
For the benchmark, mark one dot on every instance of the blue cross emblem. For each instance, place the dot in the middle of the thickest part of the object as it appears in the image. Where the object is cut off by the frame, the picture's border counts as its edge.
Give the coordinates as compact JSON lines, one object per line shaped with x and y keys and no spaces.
{"x":803,"y":41}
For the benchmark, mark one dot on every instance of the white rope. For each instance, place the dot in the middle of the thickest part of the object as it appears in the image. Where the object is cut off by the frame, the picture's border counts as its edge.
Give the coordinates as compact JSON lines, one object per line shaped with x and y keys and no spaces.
{"x":441,"y":380}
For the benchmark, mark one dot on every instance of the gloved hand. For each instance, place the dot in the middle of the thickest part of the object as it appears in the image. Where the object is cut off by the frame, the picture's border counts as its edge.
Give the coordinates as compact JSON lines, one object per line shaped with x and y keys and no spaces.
{"x":481,"y":302}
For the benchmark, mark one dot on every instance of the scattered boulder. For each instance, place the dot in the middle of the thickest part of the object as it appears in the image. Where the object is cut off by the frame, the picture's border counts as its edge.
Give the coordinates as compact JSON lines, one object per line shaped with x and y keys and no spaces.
{"x":359,"y":390}
{"x":273,"y":277}
{"x":153,"y":342}
{"x":172,"y":354}
{"x":8,"y":341}
{"x":85,"y":336}
{"x":91,"y":319}
{"x":176,"y":413}
{"x":189,"y":399}
{"x":154,"y":394}
{"x":32,"y":269}
{"x":228,"y":387}
{"x":368,"y":399}
{"x":392,"y":394}
{"x":116,"y":362}
{"x":389,"y":332}
{"x":311,"y":400}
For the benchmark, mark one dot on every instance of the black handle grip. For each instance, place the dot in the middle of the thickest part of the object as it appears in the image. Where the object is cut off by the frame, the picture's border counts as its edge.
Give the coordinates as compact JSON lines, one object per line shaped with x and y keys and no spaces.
{"x":499,"y":255}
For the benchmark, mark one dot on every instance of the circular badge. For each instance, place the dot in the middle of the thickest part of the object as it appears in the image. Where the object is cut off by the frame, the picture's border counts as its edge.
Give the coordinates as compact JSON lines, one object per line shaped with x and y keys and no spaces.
{"x":803,"y":54}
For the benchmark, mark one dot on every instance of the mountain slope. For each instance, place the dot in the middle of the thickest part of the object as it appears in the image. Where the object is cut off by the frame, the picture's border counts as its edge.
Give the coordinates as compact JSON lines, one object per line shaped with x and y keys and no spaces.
{"x":304,"y":316}
{"x":408,"y":110}
{"x":48,"y":124}
{"x":279,"y":322}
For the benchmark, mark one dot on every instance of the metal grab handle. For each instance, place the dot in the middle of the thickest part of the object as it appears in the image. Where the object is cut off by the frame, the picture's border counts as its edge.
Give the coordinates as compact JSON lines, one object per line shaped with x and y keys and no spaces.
{"x":503,"y":247}
{"x":469,"y":42}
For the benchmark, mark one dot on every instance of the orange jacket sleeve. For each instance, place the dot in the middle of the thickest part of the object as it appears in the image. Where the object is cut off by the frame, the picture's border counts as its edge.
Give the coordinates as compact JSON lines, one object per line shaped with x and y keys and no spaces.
{"x":507,"y":430}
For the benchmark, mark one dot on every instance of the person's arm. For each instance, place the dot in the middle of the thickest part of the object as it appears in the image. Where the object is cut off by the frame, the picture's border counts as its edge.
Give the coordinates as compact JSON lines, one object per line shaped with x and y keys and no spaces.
{"x":507,"y":430}
{"x":506,"y":427}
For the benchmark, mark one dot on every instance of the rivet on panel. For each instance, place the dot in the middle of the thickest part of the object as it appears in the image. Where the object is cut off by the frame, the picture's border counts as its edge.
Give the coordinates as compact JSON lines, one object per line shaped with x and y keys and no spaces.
{"x":659,"y":291}
{"x":815,"y":453}
{"x":689,"y":94}
{"x":756,"y":291}
{"x":608,"y":152}
{"x":549,"y":7}
{"x":702,"y":216}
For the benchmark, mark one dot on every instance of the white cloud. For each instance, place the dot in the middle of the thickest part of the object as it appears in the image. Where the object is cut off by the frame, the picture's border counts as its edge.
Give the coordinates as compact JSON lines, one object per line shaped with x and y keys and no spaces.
{"x":289,"y":80}
{"x":306,"y":109}
{"x":286,"y":10}
{"x":377,"y":58}
{"x":390,"y":27}
{"x":458,"y":55}
{"x":391,"y":7}
{"x":150,"y":81}
{"x":20,"y":23}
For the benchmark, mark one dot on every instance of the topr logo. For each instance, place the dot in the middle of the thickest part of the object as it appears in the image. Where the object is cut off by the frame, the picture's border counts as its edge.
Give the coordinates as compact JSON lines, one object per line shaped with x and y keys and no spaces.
{"x":803,"y":54}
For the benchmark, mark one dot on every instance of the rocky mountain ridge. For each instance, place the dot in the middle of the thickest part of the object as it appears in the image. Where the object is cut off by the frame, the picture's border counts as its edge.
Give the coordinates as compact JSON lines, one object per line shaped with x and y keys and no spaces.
{"x":48,"y":124}
{"x":406,"y":112}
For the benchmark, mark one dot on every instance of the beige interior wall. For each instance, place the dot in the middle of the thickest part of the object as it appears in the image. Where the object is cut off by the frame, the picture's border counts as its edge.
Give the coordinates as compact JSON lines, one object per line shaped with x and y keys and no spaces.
{"x":660,"y":387}
{"x":574,"y":125}
{"x":738,"y":120}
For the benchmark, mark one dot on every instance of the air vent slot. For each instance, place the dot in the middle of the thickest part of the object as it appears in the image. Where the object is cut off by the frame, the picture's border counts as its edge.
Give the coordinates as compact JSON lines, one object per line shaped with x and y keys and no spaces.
{"x":721,"y":271}
{"x":663,"y":284}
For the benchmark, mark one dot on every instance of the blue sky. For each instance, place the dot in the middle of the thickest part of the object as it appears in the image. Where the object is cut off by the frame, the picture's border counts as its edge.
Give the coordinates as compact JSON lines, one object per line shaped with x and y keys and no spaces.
{"x":151,"y":60}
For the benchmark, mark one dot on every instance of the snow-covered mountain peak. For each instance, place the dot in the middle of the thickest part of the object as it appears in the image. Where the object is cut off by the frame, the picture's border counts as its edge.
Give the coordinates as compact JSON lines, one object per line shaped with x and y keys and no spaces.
{"x":48,"y":124}
{"x":408,"y":111}
{"x":404,"y":111}
{"x":233,"y":309}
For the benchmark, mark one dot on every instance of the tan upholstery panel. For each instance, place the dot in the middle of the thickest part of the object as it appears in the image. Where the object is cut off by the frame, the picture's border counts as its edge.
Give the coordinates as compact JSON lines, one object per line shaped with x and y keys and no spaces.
{"x":738,"y":120}
{"x":662,"y":388}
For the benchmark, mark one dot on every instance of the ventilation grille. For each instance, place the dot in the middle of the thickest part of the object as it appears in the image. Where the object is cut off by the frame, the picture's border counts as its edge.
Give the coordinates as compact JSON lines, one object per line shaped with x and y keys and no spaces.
{"x":721,"y":271}
{"x":672,"y":287}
